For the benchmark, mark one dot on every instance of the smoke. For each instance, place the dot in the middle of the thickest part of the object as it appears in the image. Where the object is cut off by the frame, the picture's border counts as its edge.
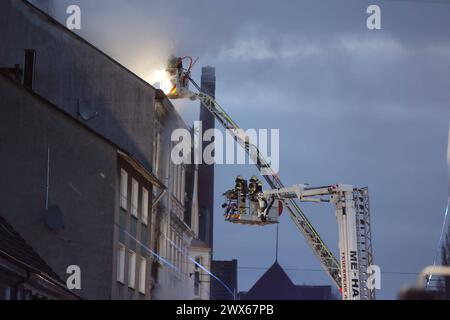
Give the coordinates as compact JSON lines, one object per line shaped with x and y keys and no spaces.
{"x":171,"y":286}
{"x":138,"y":39}
{"x":139,"y":34}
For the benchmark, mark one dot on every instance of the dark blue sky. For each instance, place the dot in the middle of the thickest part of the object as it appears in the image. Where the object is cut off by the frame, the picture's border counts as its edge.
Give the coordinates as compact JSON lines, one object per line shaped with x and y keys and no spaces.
{"x":369,"y":108}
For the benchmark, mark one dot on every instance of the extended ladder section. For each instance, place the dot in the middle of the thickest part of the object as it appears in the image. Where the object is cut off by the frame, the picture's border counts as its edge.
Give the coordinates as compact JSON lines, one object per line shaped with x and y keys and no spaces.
{"x":327,"y":259}
{"x":355,"y":245}
{"x":364,"y":238}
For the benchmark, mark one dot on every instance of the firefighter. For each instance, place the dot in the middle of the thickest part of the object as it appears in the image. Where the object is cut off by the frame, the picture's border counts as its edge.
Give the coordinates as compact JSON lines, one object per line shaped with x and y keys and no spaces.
{"x":242,"y":190}
{"x":231,"y":194}
{"x":257,"y":196}
{"x":253,"y":188}
{"x":262,"y":207}
{"x":175,"y":62}
{"x":259,"y":188}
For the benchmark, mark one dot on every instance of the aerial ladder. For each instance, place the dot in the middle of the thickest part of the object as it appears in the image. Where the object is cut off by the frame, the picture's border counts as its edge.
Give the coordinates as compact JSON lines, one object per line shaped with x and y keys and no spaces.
{"x":352,"y":215}
{"x":180,"y":78}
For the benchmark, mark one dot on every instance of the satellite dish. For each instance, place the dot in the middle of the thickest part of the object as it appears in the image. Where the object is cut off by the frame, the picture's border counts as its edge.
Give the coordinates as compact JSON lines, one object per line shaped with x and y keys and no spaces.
{"x":86,"y":115}
{"x":54,"y":218}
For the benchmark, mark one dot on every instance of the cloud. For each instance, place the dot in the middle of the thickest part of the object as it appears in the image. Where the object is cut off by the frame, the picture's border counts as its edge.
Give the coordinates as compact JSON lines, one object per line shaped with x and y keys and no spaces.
{"x":365,"y":46}
{"x":247,"y":49}
{"x":439,"y":49}
{"x":255,"y":47}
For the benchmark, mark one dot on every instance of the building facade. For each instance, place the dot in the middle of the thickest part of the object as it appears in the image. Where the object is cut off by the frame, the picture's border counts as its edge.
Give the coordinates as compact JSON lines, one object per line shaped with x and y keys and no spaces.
{"x":65,"y":194}
{"x":90,"y":181}
{"x":177,"y":216}
{"x":133,"y":230}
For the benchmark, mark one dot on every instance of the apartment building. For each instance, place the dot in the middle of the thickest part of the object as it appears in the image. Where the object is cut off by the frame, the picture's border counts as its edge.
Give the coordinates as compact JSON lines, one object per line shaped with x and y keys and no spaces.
{"x":64,"y":193}
{"x":177,"y":216}
{"x":91,"y":182}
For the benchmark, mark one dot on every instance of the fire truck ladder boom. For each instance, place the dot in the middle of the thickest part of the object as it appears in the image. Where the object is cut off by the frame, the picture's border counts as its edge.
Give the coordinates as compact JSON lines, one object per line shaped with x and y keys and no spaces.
{"x":327,"y":259}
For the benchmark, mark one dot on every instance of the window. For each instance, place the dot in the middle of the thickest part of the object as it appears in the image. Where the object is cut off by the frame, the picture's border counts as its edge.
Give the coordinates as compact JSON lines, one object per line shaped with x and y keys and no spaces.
{"x":132,"y":269}
{"x":123,"y":189}
{"x":180,"y":184}
{"x":173,"y":177}
{"x":121,"y":263}
{"x":142,"y":275}
{"x":178,"y":173}
{"x":144,"y":206}
{"x":197,"y":277}
{"x":179,"y":258}
{"x":171,"y":248}
{"x":144,"y":239}
{"x":122,"y":225}
{"x":133,"y":232}
{"x":183,"y":184}
{"x":197,"y":283}
{"x":134,"y":197}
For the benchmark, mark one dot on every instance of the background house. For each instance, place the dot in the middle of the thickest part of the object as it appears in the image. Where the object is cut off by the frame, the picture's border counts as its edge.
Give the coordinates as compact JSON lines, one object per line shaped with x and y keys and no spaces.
{"x":24,"y":275}
{"x":275,"y":284}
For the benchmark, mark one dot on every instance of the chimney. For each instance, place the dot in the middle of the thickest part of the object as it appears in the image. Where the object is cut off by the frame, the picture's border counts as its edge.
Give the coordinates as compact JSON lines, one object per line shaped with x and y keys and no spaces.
{"x":206,"y":172}
{"x":29,"y":66}
{"x":209,"y":81}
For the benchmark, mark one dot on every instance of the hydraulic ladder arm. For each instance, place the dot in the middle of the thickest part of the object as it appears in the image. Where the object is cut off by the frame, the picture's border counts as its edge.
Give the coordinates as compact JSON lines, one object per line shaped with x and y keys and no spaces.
{"x":353,"y":217}
{"x":326,"y":258}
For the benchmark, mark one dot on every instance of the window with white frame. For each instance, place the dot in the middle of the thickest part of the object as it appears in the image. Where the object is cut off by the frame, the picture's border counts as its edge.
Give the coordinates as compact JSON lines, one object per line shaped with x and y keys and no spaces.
{"x":121,"y":263}
{"x":177,"y":243}
{"x":177,"y":252}
{"x":123,"y":189}
{"x":171,"y":246}
{"x":183,"y":184}
{"x":132,"y":269}
{"x":134,"y":197}
{"x":144,"y":206}
{"x":178,"y":174}
{"x":142,"y":274}
{"x":179,"y":178}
